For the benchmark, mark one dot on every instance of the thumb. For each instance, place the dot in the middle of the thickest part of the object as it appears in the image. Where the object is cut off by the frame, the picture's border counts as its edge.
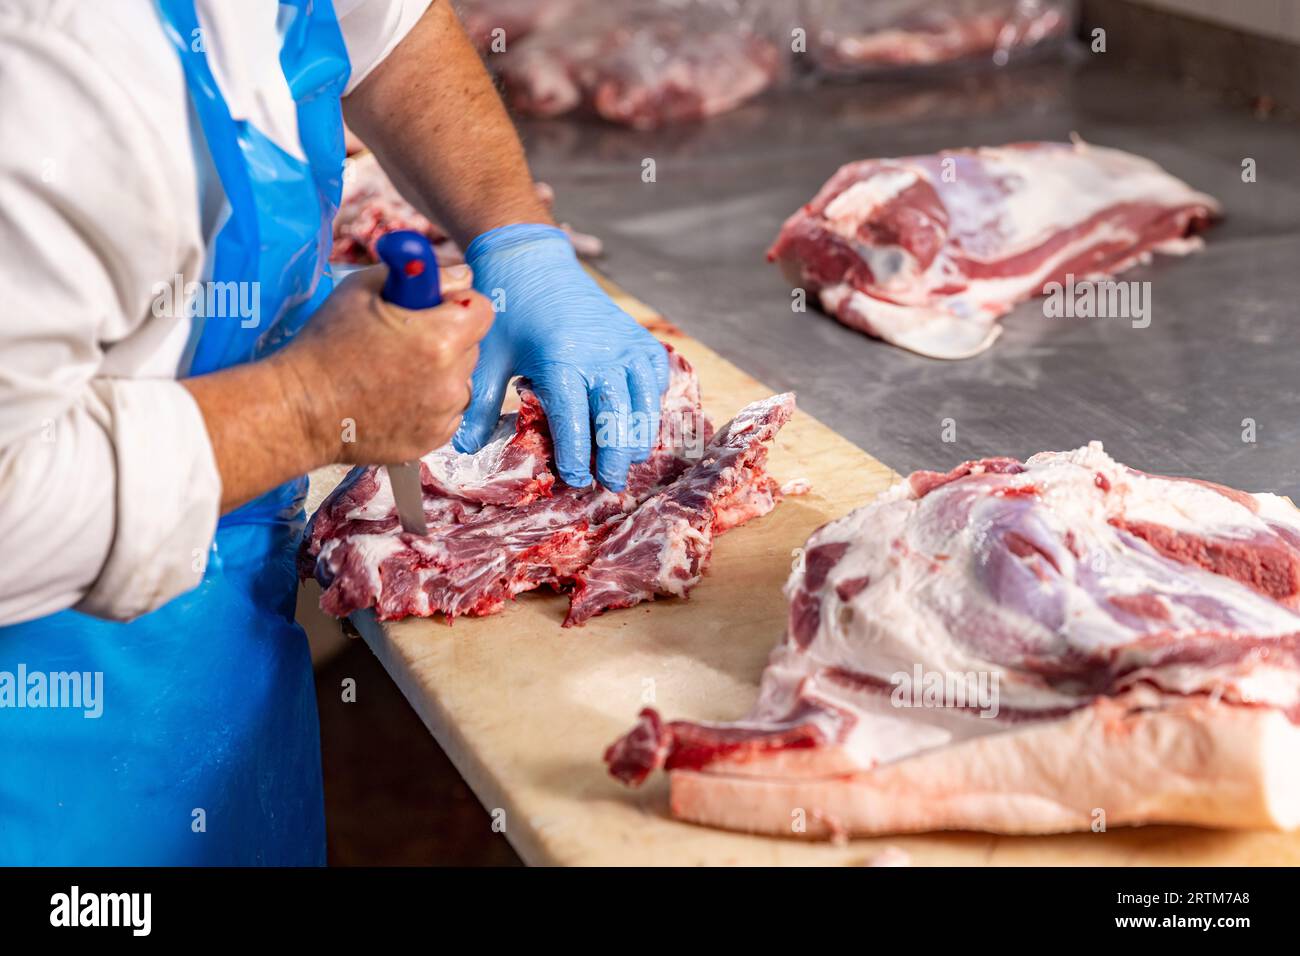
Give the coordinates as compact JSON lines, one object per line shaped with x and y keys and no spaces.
{"x":487,"y":391}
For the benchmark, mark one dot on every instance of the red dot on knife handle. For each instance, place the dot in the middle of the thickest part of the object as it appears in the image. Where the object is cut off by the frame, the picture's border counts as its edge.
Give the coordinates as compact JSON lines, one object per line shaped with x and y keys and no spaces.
{"x":414,"y":267}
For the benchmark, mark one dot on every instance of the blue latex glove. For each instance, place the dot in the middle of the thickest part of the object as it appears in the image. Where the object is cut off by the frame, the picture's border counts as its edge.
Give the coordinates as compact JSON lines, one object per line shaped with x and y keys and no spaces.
{"x":593,"y":368}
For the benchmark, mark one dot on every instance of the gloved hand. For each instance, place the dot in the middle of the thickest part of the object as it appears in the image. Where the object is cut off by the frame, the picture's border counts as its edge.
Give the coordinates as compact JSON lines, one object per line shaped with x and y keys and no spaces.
{"x":587,"y":360}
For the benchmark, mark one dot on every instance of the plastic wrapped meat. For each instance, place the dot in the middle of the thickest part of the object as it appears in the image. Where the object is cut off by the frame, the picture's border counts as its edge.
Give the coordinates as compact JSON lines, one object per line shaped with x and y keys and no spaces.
{"x":852,"y":37}
{"x":515,"y":19}
{"x":644,"y":64}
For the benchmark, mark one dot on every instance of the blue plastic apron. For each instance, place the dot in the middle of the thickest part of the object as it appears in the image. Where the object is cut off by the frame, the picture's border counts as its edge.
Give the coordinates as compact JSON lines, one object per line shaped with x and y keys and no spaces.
{"x":207,"y":750}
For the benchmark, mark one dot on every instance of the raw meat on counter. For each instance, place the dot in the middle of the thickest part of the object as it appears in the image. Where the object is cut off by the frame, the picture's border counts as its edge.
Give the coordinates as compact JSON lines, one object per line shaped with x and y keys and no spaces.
{"x":849,"y":36}
{"x":927,"y":252}
{"x":516,"y":18}
{"x":372,"y":207}
{"x":500,"y":523}
{"x":1018,"y":648}
{"x":642,"y":64}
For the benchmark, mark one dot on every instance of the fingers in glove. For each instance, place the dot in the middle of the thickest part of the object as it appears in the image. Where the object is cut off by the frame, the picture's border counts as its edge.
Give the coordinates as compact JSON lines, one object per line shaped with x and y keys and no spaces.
{"x":659,"y":362}
{"x":611,"y":411}
{"x":643,"y":387}
{"x":487,"y":391}
{"x":564,"y":400}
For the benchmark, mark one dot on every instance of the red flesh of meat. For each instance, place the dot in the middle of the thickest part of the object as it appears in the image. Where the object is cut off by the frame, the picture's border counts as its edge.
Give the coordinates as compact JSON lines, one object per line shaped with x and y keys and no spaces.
{"x":501,"y":524}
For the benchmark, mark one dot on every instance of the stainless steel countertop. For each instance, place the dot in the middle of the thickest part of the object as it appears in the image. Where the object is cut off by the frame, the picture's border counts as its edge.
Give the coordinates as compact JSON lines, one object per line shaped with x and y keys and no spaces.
{"x":1224,"y":341}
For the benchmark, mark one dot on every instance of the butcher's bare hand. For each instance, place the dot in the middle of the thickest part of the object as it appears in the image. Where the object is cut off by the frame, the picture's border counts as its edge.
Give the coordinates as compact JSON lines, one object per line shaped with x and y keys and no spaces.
{"x":377,"y":383}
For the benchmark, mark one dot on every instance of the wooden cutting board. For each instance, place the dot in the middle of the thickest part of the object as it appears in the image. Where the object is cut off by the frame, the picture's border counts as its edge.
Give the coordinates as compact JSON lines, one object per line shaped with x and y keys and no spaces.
{"x":525,"y":708}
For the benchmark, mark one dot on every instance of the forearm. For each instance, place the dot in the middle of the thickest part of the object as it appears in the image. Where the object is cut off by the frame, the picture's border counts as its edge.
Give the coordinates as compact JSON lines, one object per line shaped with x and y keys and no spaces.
{"x":304,"y":407}
{"x":262,"y":430}
{"x":434,"y":119}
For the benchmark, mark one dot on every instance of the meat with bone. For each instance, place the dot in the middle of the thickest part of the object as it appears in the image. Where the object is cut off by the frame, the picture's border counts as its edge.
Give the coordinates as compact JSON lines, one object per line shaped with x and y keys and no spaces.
{"x":642,"y":65}
{"x":848,"y":36}
{"x":1014,"y":647}
{"x":664,"y":546}
{"x":928,"y":252}
{"x":500,"y":524}
{"x":372,"y":207}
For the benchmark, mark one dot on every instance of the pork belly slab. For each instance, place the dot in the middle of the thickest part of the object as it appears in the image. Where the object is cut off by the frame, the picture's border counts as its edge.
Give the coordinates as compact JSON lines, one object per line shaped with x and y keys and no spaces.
{"x":928,"y":252}
{"x":1018,"y":647}
{"x":501,"y":523}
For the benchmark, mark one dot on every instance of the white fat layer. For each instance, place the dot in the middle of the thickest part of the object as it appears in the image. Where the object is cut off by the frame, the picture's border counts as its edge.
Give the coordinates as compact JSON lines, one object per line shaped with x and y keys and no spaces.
{"x":924,"y":606}
{"x":847,"y":211}
{"x":797,"y":486}
{"x":1179,"y":504}
{"x":379,"y":505}
{"x":1278,"y":509}
{"x":892,"y":267}
{"x":456,"y":471}
{"x":674,"y":555}
{"x":934,"y":331}
{"x":964,"y":323}
{"x":374,"y":550}
{"x":1055,"y":187}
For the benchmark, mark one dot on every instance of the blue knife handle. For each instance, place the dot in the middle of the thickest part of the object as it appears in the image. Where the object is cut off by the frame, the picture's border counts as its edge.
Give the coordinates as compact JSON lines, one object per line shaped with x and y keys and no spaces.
{"x":412,"y":281}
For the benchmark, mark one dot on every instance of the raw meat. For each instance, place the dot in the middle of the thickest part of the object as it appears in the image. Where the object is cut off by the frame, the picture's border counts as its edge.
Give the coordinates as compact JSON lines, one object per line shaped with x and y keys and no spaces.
{"x":927,"y":252}
{"x":372,"y":207}
{"x":1016,"y":647}
{"x":642,"y":65}
{"x":516,"y":18}
{"x":664,"y":546}
{"x":500,"y":524}
{"x":848,"y":36}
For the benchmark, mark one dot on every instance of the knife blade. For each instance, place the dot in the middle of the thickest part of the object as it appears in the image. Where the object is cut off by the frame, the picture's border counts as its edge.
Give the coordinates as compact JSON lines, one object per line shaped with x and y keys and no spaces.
{"x":412,"y":283}
{"x":405,"y":482}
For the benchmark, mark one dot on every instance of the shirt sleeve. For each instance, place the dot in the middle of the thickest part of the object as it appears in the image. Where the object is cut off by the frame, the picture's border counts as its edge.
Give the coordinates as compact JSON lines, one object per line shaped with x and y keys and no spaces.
{"x":372,"y":29}
{"x":109,"y":490}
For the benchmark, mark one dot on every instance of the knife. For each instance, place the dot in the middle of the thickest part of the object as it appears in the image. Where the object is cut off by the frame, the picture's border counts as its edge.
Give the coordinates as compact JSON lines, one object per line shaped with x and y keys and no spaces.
{"x":412,"y":283}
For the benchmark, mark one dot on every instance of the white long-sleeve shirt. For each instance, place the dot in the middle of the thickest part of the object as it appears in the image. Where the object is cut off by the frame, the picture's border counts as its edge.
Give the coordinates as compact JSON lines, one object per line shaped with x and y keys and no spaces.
{"x":109,"y":492}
